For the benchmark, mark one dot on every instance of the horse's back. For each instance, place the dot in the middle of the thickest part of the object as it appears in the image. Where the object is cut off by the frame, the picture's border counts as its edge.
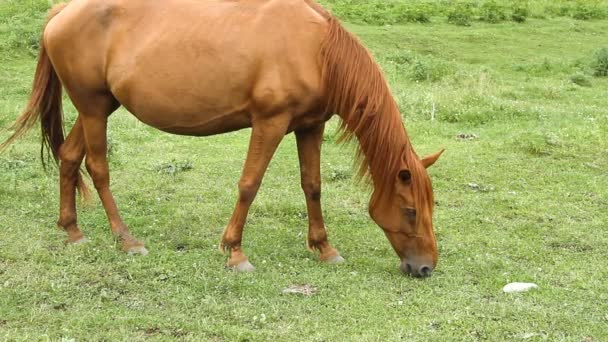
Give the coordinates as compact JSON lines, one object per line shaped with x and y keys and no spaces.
{"x":220,"y":58}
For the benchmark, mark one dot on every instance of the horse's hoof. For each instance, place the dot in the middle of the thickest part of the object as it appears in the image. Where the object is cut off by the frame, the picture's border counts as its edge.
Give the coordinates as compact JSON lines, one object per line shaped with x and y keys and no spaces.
{"x":333,"y":260}
{"x":78,"y":241}
{"x":244,"y":266}
{"x":141,"y":250}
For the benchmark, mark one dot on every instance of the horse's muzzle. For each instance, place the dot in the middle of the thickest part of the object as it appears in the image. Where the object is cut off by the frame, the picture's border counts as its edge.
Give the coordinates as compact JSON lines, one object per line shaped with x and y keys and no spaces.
{"x":416,"y":270}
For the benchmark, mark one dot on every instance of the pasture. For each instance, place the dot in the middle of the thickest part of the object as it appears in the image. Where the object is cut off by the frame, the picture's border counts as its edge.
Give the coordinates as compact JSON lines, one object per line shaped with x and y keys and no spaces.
{"x":521,"y":195}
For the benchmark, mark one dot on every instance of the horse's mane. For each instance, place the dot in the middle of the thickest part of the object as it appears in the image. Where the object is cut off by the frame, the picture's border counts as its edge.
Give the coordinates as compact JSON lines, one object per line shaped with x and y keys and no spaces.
{"x":355,"y":89}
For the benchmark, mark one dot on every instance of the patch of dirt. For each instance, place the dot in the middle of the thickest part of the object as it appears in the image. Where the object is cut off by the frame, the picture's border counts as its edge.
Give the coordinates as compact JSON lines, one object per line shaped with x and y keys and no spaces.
{"x":306,"y":290}
{"x":480,"y":188}
{"x":467,"y":136}
{"x":572,"y":246}
{"x":174,"y":332}
{"x":60,"y":306}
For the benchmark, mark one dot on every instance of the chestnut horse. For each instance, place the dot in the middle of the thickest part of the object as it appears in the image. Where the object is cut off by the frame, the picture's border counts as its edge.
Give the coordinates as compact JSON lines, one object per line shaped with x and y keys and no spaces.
{"x":210,"y":67}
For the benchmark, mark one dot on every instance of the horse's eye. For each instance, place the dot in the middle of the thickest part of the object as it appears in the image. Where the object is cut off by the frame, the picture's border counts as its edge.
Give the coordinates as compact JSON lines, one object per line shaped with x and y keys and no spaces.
{"x":409,"y":213}
{"x":405,"y":176}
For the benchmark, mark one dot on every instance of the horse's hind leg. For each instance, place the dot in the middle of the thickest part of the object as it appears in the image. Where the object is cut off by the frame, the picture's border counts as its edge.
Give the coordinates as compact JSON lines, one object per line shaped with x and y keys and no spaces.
{"x":309,"y":152}
{"x":94,"y":110}
{"x":71,"y":154}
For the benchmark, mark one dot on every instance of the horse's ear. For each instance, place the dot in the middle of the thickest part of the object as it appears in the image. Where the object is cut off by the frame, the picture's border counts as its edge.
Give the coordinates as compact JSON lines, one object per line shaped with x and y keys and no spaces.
{"x":430,"y":160}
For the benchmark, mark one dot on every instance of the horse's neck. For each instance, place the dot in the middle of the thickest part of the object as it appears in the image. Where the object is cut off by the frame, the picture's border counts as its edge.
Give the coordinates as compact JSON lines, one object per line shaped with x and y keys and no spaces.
{"x":382,"y":140}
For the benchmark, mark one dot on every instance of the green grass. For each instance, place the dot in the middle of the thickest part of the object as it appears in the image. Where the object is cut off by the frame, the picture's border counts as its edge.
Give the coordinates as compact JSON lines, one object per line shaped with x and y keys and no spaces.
{"x":524,"y":200}
{"x":463,"y":12}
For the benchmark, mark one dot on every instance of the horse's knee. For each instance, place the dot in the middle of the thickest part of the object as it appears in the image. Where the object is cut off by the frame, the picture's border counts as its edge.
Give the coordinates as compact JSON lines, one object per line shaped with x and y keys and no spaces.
{"x":248,"y":189}
{"x":68,"y":169}
{"x":312,"y":190}
{"x":70,"y":154}
{"x":99,"y":172}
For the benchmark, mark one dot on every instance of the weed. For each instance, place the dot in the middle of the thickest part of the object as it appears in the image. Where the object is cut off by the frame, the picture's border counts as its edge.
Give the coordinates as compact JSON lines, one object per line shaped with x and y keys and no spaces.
{"x":491,"y":12}
{"x":581,"y":80}
{"x":174,"y":167}
{"x":460,"y":15}
{"x":400,"y":57}
{"x":413,"y":14}
{"x":12,"y":164}
{"x":383,"y":12}
{"x":338,"y":174}
{"x":600,"y":63}
{"x":539,"y":145}
{"x":587,"y":10}
{"x":519,"y":14}
{"x":112,"y":146}
{"x":420,"y":71}
{"x":579,"y":9}
{"x":429,"y":70}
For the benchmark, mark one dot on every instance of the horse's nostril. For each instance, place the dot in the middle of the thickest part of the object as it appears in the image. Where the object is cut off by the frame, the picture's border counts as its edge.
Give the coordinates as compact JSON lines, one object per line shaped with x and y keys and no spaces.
{"x":425,"y":271}
{"x":406,"y":268}
{"x":415,"y":270}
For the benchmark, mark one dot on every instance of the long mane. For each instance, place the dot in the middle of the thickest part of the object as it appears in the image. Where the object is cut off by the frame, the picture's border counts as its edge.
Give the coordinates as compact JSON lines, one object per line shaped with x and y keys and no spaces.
{"x":356,"y":89}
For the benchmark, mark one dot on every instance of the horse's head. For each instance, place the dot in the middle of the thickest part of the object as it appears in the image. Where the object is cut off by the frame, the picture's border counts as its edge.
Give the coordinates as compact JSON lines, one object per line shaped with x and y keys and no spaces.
{"x":405,"y":214}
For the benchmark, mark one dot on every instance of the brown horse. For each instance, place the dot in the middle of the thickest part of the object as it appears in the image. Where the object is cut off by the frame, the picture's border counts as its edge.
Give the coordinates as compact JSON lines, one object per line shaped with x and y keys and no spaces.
{"x":209,"y":67}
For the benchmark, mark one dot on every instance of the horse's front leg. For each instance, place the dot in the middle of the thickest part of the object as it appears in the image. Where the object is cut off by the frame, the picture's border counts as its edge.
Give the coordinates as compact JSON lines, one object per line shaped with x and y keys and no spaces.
{"x":265,"y":137}
{"x":309,"y":152}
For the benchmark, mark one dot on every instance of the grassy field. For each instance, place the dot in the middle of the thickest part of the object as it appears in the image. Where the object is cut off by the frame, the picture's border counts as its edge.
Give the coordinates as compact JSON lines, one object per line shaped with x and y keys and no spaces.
{"x":522,"y":195}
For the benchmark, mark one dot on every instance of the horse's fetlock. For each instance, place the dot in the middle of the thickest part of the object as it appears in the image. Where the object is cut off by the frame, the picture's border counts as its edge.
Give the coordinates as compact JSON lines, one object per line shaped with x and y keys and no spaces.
{"x":230,"y":243}
{"x":66,"y":221}
{"x":317,"y":243}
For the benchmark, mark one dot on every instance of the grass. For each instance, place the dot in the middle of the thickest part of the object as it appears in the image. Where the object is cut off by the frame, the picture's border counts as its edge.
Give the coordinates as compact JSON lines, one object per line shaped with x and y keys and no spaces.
{"x":523,"y":199}
{"x":462,"y":12}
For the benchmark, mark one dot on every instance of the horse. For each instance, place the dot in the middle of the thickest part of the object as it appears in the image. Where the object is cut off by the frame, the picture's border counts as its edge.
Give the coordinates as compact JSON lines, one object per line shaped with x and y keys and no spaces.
{"x":202,"y":68}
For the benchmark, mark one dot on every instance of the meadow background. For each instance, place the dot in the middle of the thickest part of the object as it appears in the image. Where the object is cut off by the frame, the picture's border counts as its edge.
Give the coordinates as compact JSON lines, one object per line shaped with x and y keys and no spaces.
{"x":517,"y":93}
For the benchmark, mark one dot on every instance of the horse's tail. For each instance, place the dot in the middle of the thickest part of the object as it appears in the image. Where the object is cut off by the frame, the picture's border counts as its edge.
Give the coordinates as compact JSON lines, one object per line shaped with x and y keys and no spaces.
{"x":44,"y":105}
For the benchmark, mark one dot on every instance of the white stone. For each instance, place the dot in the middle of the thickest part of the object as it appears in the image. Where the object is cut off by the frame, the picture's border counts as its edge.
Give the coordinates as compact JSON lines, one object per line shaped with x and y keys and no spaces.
{"x":519,"y":287}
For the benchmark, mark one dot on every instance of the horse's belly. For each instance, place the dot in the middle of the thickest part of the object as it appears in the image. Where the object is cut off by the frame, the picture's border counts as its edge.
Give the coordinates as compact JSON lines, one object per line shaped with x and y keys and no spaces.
{"x":183,"y":103}
{"x":197,"y":125}
{"x":187,"y":117}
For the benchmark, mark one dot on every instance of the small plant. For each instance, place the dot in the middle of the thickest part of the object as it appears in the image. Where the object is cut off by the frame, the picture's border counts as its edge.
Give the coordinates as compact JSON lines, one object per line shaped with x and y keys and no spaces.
{"x":580,"y":79}
{"x":420,"y":72}
{"x":340,"y":175}
{"x":429,"y":70}
{"x":400,"y":57}
{"x":460,"y":15}
{"x":413,"y":15}
{"x":174,"y":167}
{"x":10,"y":164}
{"x":587,"y":11}
{"x":519,"y":14}
{"x":378,"y":14}
{"x":112,"y":146}
{"x":600,"y":63}
{"x":539,"y":145}
{"x":580,"y":9}
{"x":492,"y":13}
